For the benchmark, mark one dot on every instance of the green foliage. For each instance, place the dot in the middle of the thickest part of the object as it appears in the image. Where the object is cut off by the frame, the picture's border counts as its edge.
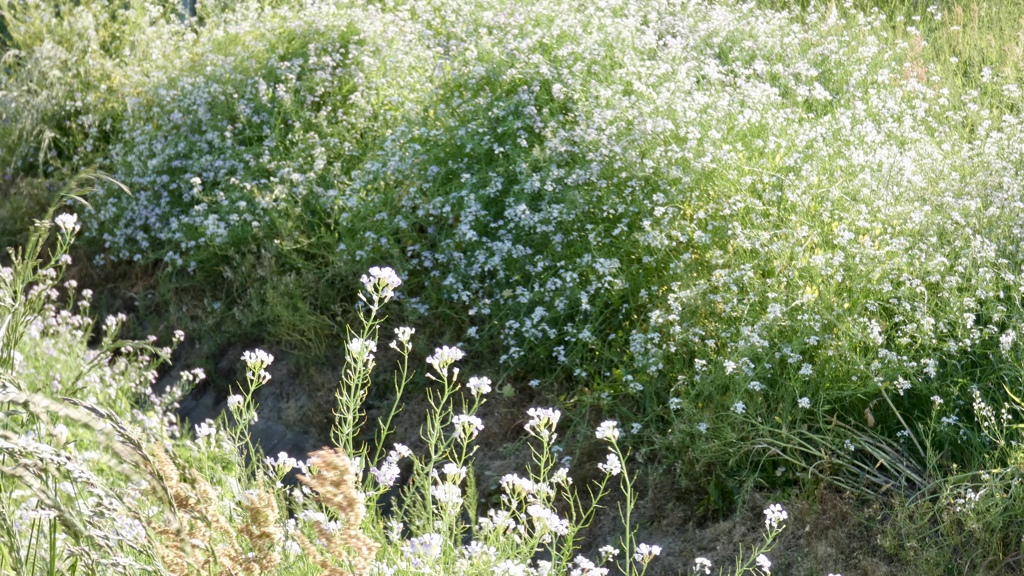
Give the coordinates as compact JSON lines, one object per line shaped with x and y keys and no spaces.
{"x":781,"y":239}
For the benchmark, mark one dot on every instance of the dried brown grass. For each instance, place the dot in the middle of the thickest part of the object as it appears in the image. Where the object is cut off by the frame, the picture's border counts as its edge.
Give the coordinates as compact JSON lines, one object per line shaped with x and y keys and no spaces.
{"x":336,"y":483}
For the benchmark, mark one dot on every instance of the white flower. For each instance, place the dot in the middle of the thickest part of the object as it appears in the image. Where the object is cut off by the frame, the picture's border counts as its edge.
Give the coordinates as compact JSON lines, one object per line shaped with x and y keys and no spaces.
{"x":68,"y":223}
{"x":447,"y":495}
{"x":387,"y":474}
{"x":612,"y":465}
{"x":444,"y":357}
{"x":453,"y":472}
{"x":675,"y":403}
{"x":774,"y":515}
{"x":764,"y":563}
{"x":703,"y":427}
{"x":608,"y":430}
{"x":645,"y":552}
{"x":404,"y":334}
{"x":234,"y":401}
{"x":479,"y":385}
{"x":426,"y":546}
{"x":362,"y":350}
{"x":543,"y":422}
{"x":382,"y":282}
{"x":804,"y":402}
{"x":205,"y":428}
{"x":546,"y":519}
{"x":849,"y":445}
{"x":739,"y":407}
{"x":608,"y":552}
{"x":585,"y":567}
{"x":258,"y":356}
{"x":702,"y":563}
{"x":467,"y":426}
{"x":517,"y":487}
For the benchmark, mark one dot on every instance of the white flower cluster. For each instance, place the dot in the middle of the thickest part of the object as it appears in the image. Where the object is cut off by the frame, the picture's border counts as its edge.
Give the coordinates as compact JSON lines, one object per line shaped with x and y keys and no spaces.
{"x":444,"y":357}
{"x":542,"y":423}
{"x":68,"y":223}
{"x":559,"y":193}
{"x":381,"y":282}
{"x":389,"y":471}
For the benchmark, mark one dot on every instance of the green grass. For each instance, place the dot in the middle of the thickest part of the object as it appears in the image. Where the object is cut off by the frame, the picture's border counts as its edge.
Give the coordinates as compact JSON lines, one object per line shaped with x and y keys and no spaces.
{"x":779,"y":240}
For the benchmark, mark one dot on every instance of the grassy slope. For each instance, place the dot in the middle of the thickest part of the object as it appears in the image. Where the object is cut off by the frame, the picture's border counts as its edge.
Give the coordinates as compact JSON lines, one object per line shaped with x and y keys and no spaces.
{"x":676,"y":220}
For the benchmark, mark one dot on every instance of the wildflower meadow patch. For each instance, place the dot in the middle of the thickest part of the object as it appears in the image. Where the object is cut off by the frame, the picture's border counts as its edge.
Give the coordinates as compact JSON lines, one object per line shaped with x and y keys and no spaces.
{"x":767,"y":246}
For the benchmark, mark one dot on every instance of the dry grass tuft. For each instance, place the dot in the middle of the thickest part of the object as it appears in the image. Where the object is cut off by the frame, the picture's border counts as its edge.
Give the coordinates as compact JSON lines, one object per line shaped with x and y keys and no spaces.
{"x":205,"y":540}
{"x":336,"y":483}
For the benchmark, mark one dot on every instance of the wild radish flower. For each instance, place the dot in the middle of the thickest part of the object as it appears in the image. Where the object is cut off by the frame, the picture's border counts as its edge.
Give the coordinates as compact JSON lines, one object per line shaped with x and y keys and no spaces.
{"x":427,"y":546}
{"x":585,"y":567}
{"x":447,"y":495}
{"x":478,"y":385}
{"x":644,"y":553}
{"x":517,"y":487}
{"x":444,"y":357}
{"x":608,"y":552}
{"x":774,"y":515}
{"x":608,"y":430}
{"x":764,"y":563}
{"x":361,"y":350}
{"x":804,"y":402}
{"x":542,"y":422}
{"x":257,"y":356}
{"x":387,"y":474}
{"x":467,"y":426}
{"x":635,"y":428}
{"x":284,"y":462}
{"x":739,"y":407}
{"x":235,"y":401}
{"x":68,"y":223}
{"x":1006,"y":340}
{"x":702,"y":563}
{"x":612,"y":465}
{"x":404,"y":334}
{"x":547,"y":520}
{"x":381,"y":282}
{"x":561,"y":476}
{"x":499,"y":521}
{"x":206,"y":432}
{"x":453,"y":473}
